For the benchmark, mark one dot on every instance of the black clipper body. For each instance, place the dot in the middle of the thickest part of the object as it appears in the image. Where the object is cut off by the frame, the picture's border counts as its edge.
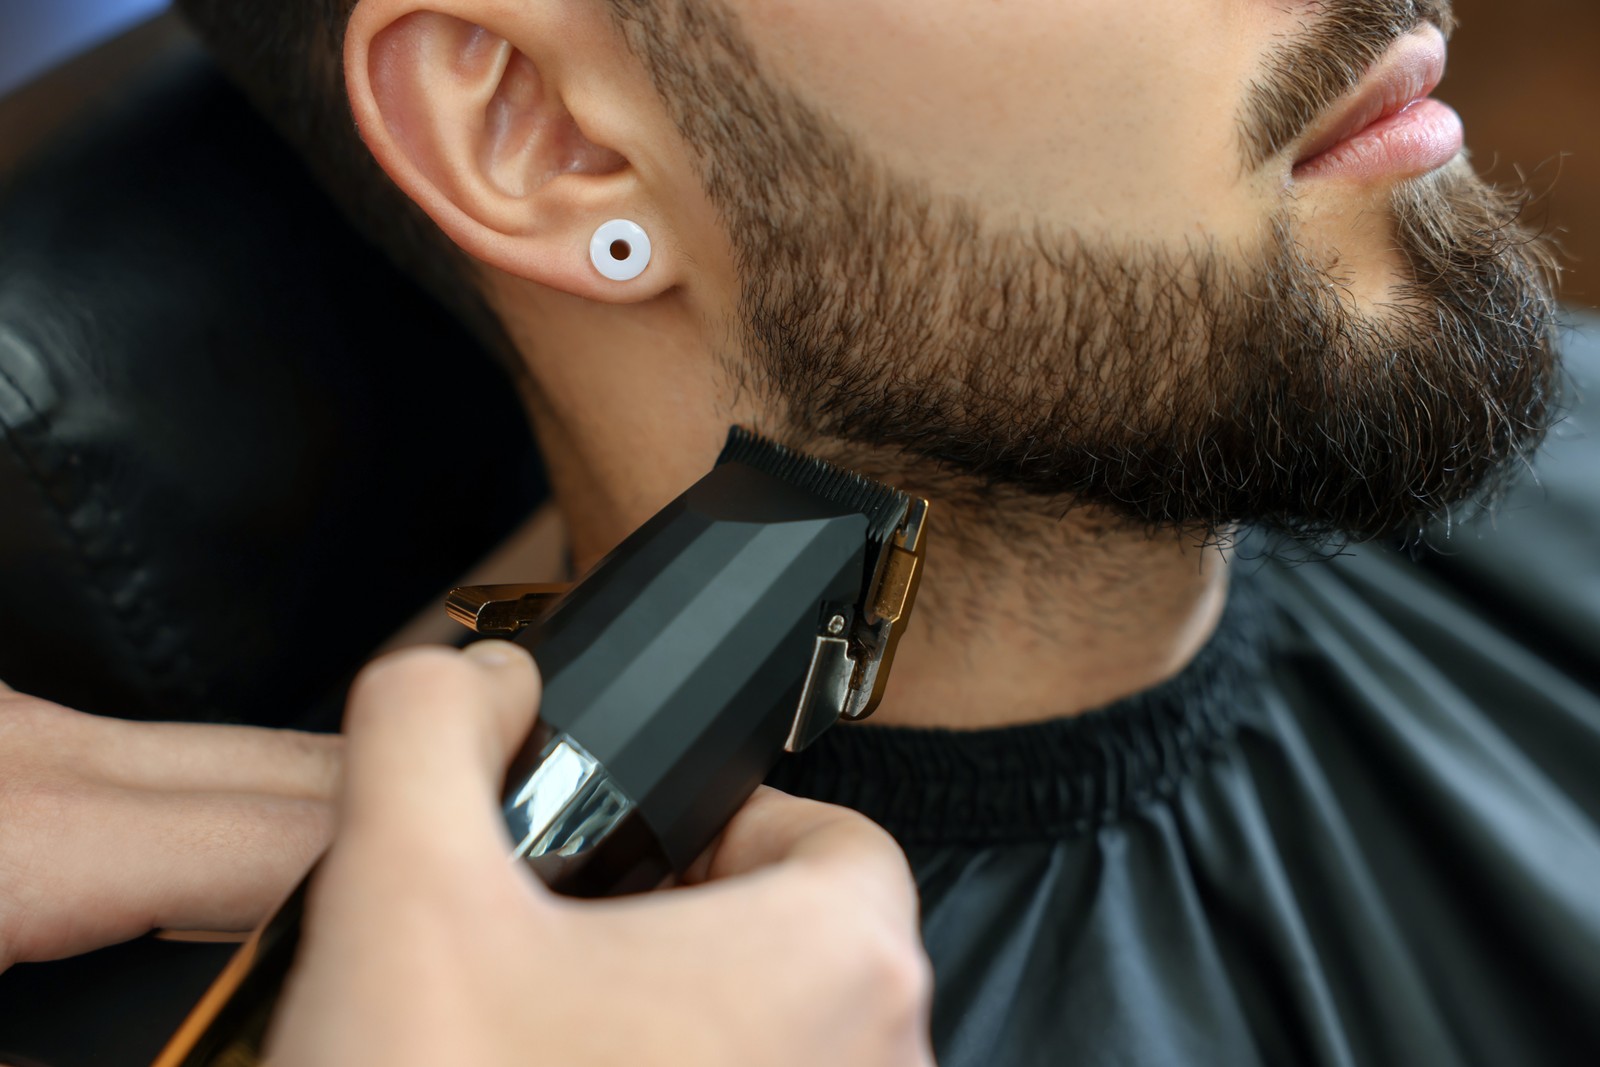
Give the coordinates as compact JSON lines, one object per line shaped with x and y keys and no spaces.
{"x":742,"y":621}
{"x":737,"y":624}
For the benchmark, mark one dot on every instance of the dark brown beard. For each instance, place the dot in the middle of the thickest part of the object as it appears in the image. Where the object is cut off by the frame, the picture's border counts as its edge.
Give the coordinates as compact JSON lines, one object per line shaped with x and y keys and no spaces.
{"x":1174,"y":387}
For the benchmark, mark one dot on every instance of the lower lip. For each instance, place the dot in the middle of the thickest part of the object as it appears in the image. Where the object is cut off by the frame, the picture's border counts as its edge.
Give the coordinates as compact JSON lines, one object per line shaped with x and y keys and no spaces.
{"x":1418,"y":140}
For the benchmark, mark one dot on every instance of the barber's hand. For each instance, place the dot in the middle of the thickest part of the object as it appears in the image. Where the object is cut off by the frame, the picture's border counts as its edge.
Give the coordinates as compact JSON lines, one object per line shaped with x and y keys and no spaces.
{"x":110,"y":829}
{"x":424,"y":945}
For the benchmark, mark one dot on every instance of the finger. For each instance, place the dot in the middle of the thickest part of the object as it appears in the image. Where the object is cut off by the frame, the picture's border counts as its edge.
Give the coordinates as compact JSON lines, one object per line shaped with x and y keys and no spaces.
{"x":103,"y":866}
{"x":774,"y":827}
{"x":429,"y":735}
{"x":171,"y":756}
{"x":774,"y":830}
{"x":201,"y":758}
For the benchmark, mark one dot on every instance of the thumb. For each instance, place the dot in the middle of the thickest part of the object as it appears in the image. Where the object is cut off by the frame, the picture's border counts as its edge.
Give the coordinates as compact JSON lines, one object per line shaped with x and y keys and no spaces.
{"x":774,"y":830}
{"x":429,"y":733}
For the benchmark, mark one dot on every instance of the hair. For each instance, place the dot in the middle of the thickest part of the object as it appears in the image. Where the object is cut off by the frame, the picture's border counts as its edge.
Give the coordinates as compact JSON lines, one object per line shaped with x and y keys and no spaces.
{"x":287,"y":57}
{"x":1174,"y":387}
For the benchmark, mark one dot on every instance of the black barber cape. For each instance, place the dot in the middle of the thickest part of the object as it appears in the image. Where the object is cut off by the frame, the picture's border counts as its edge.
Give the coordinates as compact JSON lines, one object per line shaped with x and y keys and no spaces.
{"x":1362,"y":828}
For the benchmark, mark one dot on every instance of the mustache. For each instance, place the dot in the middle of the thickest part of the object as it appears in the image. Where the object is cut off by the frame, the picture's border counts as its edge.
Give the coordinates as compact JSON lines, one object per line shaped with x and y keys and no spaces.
{"x":1314,"y":71}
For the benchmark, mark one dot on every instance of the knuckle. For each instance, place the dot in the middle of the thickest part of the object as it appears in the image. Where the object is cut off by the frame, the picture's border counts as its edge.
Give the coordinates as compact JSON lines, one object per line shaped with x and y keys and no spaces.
{"x":400,"y":669}
{"x":884,"y":955}
{"x":878,"y":840}
{"x":922,"y":980}
{"x":414,"y":678}
{"x":877,"y":869}
{"x":902,"y":975}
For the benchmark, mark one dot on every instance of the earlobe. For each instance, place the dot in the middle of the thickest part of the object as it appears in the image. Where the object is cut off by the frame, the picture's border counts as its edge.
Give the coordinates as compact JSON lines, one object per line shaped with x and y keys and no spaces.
{"x":471,"y":127}
{"x":620,"y":250}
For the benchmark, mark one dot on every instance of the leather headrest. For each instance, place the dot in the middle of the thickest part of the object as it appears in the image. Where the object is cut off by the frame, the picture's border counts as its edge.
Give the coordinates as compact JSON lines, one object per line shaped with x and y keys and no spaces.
{"x":237,"y":448}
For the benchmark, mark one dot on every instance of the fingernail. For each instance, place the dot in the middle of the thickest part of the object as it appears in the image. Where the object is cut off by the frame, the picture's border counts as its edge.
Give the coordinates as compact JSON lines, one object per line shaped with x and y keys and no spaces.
{"x":493,"y":654}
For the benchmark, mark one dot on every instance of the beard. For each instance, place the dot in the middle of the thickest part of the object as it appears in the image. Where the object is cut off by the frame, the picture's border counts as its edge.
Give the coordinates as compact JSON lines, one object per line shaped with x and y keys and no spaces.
{"x":907,"y":336}
{"x":1181,"y":391}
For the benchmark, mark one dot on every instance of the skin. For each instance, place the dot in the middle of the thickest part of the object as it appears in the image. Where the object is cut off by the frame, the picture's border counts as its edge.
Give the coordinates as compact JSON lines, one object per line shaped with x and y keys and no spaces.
{"x":1102,"y":117}
{"x":493,"y":968}
{"x":1108,"y":119}
{"x":519,"y":126}
{"x":112,"y":829}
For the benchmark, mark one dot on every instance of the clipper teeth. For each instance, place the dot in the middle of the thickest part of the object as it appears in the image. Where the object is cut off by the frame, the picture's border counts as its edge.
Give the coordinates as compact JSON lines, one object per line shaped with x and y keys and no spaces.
{"x":885,"y":507}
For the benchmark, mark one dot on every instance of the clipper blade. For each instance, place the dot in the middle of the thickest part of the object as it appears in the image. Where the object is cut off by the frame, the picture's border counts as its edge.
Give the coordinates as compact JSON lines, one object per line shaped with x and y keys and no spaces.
{"x":885,"y":507}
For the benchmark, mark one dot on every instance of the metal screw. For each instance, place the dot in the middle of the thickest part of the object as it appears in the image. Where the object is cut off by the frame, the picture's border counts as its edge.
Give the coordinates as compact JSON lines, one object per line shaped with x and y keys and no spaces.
{"x":836,"y":625}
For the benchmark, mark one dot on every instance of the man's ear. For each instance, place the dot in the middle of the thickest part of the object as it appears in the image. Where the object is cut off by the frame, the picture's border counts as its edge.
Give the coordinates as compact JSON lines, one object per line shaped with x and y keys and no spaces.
{"x":462,"y":103}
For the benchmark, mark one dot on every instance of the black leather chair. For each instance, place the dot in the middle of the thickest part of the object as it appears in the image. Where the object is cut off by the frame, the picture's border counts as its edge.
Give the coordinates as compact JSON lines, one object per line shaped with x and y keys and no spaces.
{"x":237,"y":452}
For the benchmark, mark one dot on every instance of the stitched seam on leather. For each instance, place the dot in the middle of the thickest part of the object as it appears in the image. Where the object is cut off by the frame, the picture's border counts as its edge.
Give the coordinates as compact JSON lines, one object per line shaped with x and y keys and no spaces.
{"x":92,"y":568}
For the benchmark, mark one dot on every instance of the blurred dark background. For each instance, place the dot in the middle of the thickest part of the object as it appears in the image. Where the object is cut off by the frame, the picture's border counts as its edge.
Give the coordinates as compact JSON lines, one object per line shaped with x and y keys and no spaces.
{"x":1525,"y":76}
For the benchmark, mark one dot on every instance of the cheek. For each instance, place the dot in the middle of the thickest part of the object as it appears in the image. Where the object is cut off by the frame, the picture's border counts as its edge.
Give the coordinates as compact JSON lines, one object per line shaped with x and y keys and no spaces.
{"x":1118,"y":120}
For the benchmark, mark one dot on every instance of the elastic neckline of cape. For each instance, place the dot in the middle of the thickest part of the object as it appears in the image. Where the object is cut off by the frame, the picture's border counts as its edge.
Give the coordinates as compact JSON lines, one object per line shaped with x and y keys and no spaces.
{"x":1047,"y":780}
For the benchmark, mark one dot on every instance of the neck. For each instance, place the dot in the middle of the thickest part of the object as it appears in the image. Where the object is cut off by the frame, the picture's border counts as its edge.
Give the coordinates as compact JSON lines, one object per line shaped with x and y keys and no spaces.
{"x":1048,"y":618}
{"x":1045,"y":618}
{"x":1022,"y":616}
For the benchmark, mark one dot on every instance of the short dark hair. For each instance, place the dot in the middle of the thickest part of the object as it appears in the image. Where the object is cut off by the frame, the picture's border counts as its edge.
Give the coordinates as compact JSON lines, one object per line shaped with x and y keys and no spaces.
{"x":287,"y":56}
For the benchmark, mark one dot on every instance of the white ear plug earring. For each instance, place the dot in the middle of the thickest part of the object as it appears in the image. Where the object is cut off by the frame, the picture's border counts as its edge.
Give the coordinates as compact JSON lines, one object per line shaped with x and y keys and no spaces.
{"x":620,"y":250}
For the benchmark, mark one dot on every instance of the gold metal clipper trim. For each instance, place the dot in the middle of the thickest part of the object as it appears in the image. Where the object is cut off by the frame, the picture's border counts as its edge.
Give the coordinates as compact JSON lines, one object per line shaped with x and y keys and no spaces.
{"x":502,"y":610}
{"x":899,"y":577}
{"x":850,"y":664}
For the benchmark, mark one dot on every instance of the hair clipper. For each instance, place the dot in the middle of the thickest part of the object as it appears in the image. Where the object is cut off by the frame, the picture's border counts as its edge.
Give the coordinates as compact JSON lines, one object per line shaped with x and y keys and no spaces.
{"x":741,"y":622}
